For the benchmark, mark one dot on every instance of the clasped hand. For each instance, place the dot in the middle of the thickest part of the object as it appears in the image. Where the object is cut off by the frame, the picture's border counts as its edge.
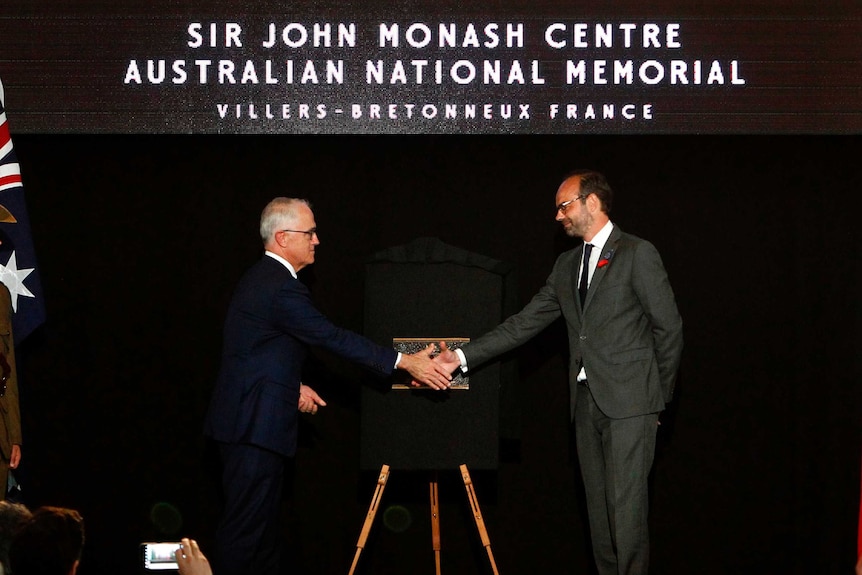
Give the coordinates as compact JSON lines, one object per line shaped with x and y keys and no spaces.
{"x":426,"y":366}
{"x":429,"y":369}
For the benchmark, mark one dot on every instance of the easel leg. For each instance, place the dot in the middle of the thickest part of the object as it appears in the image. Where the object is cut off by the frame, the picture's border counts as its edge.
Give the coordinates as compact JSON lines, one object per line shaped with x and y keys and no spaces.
{"x":477,"y":514}
{"x":369,"y":517}
{"x":435,"y":523}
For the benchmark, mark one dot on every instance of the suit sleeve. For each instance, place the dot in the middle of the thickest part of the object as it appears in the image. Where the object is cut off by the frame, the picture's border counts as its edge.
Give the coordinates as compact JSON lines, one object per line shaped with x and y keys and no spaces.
{"x":296,"y":315}
{"x":542,"y":310}
{"x":657,"y":299}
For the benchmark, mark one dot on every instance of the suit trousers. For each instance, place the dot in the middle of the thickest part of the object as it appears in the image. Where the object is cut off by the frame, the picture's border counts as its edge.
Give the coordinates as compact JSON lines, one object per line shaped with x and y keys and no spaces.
{"x":616,"y":456}
{"x":248,"y":538}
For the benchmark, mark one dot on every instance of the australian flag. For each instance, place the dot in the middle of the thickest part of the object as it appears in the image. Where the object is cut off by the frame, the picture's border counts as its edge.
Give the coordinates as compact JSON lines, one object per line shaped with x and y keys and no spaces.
{"x":18,"y":270}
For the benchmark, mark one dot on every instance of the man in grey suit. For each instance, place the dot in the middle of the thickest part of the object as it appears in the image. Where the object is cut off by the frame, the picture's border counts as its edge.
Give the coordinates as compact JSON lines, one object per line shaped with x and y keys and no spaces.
{"x":625,"y":337}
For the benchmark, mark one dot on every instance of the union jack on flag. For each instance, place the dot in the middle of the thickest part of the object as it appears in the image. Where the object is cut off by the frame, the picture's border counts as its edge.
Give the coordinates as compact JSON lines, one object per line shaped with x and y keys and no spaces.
{"x":18,"y":270}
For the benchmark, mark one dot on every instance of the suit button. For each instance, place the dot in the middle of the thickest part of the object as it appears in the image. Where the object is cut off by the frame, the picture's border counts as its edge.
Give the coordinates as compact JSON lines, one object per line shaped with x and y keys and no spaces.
{"x":583,"y":337}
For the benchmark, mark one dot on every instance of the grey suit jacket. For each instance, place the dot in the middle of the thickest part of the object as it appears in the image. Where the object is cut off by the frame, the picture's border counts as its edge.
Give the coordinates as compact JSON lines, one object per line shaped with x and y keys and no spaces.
{"x":628,"y":336}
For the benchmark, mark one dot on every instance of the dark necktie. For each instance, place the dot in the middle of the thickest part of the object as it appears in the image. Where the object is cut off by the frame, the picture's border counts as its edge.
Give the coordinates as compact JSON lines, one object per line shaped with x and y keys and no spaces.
{"x":585,"y":272}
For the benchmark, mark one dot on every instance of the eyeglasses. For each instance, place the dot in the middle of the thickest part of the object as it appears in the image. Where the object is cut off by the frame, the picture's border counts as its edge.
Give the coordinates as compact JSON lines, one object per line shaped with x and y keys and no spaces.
{"x":565,"y":205}
{"x":310,"y":233}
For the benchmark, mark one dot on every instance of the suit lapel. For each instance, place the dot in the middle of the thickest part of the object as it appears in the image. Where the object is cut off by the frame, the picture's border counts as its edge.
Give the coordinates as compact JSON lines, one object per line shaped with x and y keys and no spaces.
{"x":608,"y":252}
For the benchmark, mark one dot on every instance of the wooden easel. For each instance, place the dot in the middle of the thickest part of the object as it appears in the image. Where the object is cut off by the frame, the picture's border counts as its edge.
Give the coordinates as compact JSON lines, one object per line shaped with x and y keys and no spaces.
{"x":435,"y":518}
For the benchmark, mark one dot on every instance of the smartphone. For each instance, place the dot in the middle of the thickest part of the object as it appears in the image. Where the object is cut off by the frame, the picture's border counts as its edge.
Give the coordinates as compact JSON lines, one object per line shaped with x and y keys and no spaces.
{"x":160,"y":556}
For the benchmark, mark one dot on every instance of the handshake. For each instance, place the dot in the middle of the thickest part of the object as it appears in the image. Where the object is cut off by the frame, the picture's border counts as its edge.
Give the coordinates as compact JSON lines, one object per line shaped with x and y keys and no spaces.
{"x":430,"y":368}
{"x":426,"y":367}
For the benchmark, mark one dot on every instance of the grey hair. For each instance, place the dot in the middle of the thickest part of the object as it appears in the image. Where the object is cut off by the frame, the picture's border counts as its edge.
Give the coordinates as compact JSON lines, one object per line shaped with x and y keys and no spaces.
{"x":278,"y":214}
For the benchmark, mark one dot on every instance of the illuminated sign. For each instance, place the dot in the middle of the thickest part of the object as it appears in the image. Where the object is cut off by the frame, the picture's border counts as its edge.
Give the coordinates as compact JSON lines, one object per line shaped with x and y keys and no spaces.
{"x":413,"y":67}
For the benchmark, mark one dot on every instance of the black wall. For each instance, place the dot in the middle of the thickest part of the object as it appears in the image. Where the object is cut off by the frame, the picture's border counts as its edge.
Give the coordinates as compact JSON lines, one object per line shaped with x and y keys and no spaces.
{"x":141,"y":240}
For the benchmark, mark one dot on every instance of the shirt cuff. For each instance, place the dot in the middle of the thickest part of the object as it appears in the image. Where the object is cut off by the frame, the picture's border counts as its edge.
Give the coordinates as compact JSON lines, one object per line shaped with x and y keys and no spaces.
{"x":463,"y":359}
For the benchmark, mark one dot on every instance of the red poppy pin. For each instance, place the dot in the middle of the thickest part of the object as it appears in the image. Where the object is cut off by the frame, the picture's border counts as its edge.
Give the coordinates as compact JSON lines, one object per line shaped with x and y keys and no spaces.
{"x":606,"y":259}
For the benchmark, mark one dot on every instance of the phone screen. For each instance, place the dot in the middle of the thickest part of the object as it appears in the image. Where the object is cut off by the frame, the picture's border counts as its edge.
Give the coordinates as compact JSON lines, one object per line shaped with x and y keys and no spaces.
{"x":160,"y":556}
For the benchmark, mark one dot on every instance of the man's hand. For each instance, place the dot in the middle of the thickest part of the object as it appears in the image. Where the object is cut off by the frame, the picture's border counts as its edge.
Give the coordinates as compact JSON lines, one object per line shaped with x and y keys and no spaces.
{"x":309,"y":400}
{"x":447,"y":358}
{"x":425,"y":370}
{"x":191,"y":560}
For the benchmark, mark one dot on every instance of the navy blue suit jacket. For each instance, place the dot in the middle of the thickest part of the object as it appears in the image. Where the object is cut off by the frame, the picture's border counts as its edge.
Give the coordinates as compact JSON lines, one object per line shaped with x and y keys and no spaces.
{"x":271,"y":322}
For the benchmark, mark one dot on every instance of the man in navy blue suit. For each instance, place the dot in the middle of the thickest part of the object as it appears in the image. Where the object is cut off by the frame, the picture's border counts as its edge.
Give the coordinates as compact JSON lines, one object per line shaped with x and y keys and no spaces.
{"x":271,"y":323}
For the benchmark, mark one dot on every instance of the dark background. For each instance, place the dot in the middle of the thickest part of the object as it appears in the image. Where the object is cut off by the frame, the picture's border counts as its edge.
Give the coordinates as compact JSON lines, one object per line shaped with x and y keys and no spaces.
{"x":142,"y":238}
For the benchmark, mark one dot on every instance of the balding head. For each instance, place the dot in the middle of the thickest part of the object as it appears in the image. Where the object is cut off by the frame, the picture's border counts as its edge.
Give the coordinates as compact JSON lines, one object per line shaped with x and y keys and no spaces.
{"x":583,"y":202}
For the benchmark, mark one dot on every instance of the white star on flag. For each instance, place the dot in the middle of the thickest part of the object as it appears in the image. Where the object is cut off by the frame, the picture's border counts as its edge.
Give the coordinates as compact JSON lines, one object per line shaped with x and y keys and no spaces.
{"x":14,"y":280}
